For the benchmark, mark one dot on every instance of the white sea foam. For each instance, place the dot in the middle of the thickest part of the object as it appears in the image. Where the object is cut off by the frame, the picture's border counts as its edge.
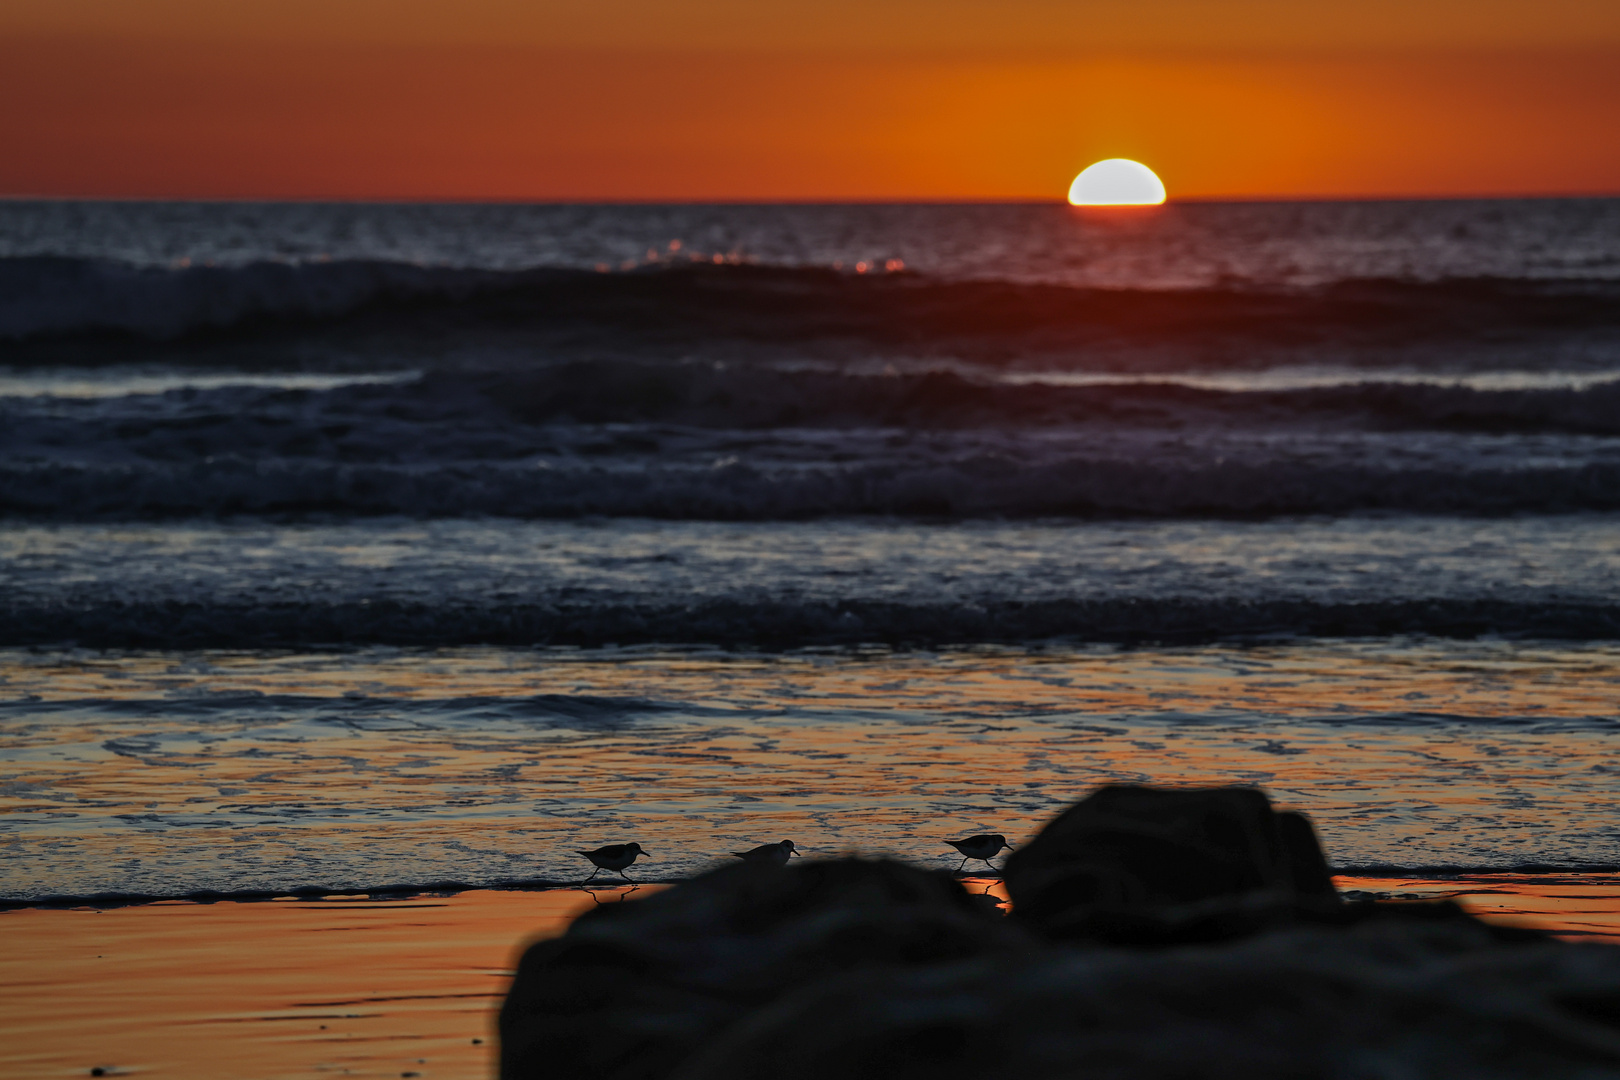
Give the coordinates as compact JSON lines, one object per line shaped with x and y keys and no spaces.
{"x":1320,"y":378}
{"x":57,"y":382}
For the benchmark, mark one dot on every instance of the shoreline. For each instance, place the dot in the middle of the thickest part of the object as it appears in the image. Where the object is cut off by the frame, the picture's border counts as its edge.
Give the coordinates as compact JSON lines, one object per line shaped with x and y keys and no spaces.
{"x":442,"y":889}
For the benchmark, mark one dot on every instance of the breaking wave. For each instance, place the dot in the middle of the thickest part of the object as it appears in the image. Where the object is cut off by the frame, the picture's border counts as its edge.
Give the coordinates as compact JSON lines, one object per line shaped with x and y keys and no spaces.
{"x":701,"y":441}
{"x":58,"y":297}
{"x":729,"y":397}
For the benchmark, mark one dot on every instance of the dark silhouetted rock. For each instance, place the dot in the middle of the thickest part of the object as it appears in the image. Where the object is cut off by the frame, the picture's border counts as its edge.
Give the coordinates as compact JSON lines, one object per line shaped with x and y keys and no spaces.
{"x":877,"y":971}
{"x":1140,"y":865}
{"x":633,"y":989}
{"x":1381,"y":1000}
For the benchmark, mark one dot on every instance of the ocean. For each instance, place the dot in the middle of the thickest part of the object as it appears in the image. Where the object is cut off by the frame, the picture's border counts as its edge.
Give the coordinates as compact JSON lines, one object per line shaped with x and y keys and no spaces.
{"x":354,"y":547}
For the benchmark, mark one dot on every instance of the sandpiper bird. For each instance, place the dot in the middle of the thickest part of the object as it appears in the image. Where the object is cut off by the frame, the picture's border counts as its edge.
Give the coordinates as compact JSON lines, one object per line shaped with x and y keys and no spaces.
{"x":774,"y":854}
{"x":981,"y":848}
{"x":614,"y":857}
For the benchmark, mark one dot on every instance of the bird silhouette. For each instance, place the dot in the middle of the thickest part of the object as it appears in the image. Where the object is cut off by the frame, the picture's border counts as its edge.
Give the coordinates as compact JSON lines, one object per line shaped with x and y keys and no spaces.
{"x":615,"y":858}
{"x":980,"y":848}
{"x":772,"y":854}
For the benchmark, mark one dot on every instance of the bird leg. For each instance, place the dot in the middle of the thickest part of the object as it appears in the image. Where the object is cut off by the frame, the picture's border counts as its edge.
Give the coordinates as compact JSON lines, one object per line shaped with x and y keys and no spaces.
{"x":959,"y":865}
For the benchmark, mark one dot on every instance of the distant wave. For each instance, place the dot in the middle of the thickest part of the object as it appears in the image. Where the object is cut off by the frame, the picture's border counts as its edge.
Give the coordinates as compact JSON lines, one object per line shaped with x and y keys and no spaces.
{"x":777,"y":623}
{"x":45,"y":298}
{"x":703,"y":441}
{"x":732,"y":397}
{"x":59,"y":296}
{"x":979,"y":486}
{"x":383,"y":417}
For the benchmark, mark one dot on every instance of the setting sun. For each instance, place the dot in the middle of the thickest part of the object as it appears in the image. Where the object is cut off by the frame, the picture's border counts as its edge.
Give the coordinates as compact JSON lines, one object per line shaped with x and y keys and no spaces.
{"x":1116,"y":182}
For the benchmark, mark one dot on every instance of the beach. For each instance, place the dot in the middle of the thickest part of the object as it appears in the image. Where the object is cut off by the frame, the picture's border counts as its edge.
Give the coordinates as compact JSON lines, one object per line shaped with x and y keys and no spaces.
{"x":361,"y":565}
{"x":368,"y":986}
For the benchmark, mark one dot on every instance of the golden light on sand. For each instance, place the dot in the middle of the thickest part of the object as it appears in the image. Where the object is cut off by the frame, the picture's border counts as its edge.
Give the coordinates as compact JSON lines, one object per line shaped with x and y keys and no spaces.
{"x":1116,"y":182}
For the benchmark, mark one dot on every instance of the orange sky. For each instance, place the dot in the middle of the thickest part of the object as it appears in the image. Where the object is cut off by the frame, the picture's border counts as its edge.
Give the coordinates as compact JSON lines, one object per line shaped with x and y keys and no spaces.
{"x":726,"y":99}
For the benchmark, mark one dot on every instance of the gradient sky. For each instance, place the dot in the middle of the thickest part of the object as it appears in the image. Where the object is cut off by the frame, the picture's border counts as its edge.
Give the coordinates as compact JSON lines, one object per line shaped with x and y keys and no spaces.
{"x":739,"y":99}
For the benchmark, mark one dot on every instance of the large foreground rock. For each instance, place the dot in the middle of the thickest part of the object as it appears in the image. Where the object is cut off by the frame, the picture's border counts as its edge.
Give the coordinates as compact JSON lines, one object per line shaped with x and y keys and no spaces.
{"x":1192,"y":935}
{"x":1387,"y":1000}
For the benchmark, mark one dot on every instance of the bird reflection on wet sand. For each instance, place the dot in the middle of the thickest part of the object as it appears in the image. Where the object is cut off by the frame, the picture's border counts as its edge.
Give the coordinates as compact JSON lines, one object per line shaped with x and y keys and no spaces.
{"x":979,"y":848}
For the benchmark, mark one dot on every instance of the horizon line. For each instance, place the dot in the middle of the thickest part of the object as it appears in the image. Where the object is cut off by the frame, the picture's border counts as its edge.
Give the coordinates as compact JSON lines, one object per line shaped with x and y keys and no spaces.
{"x":503,"y":200}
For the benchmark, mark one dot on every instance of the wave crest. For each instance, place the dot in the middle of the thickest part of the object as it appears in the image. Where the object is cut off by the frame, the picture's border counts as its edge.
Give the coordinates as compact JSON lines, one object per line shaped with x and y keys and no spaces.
{"x":53,"y":297}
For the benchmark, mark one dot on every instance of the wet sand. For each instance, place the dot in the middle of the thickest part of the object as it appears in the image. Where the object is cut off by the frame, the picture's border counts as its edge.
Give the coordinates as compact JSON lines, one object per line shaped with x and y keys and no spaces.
{"x":341,"y":987}
{"x":362,"y":987}
{"x":165,"y":773}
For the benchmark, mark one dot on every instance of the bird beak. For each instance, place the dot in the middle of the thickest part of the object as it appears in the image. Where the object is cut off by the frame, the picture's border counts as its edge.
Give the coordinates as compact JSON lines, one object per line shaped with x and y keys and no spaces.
{"x":797,"y":852}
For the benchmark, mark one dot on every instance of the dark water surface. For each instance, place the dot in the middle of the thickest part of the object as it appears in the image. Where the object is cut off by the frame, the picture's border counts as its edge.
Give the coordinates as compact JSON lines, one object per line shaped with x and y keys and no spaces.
{"x":366,"y":544}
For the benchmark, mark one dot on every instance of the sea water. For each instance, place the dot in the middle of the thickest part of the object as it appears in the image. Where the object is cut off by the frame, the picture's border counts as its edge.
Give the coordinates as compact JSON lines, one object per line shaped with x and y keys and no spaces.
{"x":349,"y":546}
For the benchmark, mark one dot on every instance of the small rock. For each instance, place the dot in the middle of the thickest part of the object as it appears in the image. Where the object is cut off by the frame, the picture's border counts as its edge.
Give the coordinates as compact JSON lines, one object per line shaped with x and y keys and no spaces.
{"x":1140,"y":865}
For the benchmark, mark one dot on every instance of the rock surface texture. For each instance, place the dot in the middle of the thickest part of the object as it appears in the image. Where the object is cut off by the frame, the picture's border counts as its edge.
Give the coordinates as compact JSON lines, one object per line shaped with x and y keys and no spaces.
{"x":634,"y":989}
{"x":1174,"y":934}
